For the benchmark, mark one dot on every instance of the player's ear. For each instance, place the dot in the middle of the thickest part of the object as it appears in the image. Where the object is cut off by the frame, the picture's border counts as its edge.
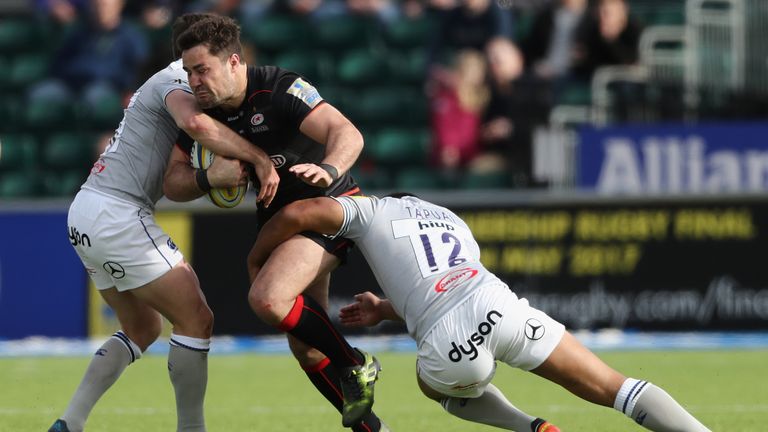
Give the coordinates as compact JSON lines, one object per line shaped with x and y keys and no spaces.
{"x":234,"y":60}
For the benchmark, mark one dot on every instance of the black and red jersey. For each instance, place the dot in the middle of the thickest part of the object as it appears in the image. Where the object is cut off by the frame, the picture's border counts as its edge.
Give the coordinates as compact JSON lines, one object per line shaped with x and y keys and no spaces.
{"x":276,"y":103}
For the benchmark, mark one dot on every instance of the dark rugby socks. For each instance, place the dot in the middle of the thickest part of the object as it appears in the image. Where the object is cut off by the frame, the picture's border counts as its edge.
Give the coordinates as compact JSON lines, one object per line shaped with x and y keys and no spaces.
{"x":309,"y":323}
{"x":325,"y":377}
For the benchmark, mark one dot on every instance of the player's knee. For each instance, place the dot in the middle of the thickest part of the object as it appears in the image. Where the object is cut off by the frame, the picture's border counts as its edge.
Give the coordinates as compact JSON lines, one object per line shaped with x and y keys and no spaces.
{"x":263,"y":305}
{"x":197,"y":322}
{"x":205,"y":320}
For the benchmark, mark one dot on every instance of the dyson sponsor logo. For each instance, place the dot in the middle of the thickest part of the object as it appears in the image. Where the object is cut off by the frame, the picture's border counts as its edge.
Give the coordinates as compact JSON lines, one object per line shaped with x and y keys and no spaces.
{"x":454,"y":279}
{"x":475,"y":340}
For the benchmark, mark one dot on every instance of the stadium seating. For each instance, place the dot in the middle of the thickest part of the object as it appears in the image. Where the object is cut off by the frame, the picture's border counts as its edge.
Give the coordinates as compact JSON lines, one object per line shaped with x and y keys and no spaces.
{"x":408,"y":33}
{"x":274,"y":33}
{"x":313,"y":66}
{"x":17,"y":35}
{"x":19,"y":184}
{"x":18,"y":151}
{"x":5,"y":73}
{"x":69,"y":150}
{"x":105,"y":114}
{"x":27,"y":69}
{"x":359,"y":67}
{"x":63,"y":183}
{"x":494,"y":180}
{"x":418,"y":178}
{"x":399,"y":146}
{"x":344,"y":32}
{"x":408,"y":67}
{"x":51,"y":112}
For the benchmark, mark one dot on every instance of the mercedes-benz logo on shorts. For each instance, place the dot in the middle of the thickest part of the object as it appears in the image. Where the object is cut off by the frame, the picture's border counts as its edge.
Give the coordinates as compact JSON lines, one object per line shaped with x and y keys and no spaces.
{"x":534,"y":329}
{"x":114,"y":269}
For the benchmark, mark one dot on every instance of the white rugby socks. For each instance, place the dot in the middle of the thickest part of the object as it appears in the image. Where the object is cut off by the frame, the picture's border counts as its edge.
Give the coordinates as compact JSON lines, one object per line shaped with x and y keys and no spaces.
{"x":654,"y":409}
{"x":188,"y":369}
{"x":491,"y":408}
{"x":108,"y":363}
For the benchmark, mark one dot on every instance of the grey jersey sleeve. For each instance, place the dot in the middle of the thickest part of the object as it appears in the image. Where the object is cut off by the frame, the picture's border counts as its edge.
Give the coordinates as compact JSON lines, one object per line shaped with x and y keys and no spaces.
{"x":358,"y":215}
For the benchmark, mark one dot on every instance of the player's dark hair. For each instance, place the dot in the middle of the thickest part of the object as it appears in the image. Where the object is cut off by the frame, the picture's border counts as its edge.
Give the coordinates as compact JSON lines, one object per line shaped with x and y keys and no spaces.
{"x":400,"y":195}
{"x":180,"y":25}
{"x":220,"y":34}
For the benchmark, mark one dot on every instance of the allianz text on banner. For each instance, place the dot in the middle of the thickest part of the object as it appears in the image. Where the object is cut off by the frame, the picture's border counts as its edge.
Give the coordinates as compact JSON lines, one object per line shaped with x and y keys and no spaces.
{"x":708,"y":158}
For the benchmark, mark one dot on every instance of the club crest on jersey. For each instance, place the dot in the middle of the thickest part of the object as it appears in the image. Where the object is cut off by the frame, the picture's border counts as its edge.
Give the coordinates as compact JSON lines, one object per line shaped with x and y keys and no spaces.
{"x":257,"y":119}
{"x":454,"y":279}
{"x":98,"y":166}
{"x":305,"y":92}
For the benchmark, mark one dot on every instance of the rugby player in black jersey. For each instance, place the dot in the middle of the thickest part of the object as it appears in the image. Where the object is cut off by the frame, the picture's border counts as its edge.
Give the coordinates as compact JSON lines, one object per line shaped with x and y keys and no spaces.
{"x":312,"y":146}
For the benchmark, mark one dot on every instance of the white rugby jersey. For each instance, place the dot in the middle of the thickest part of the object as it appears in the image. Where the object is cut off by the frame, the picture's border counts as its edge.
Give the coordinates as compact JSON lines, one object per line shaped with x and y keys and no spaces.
{"x":424,"y":257}
{"x":133,"y":165}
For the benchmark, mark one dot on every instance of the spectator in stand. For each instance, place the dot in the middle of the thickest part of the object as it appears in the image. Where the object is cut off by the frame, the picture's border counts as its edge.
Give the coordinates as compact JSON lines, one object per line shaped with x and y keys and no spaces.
{"x":457,"y":103}
{"x":386,"y":11}
{"x":311,"y":10}
{"x":470,"y":25}
{"x":155,"y":18}
{"x":517,"y":104}
{"x":60,"y":12}
{"x":608,"y":36}
{"x":100,"y":55}
{"x":549,"y":46}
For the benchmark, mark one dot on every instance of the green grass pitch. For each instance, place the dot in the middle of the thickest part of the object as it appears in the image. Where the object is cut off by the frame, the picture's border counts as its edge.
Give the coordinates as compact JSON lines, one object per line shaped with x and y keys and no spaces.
{"x":725,"y":389}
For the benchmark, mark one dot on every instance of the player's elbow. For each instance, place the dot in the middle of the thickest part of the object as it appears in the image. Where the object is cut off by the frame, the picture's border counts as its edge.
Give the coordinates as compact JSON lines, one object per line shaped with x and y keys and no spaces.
{"x":194,"y":125}
{"x":171,"y":192}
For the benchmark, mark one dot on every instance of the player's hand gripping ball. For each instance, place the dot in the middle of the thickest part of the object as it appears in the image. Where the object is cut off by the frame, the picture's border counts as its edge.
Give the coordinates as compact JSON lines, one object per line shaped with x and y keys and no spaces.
{"x":202,"y":158}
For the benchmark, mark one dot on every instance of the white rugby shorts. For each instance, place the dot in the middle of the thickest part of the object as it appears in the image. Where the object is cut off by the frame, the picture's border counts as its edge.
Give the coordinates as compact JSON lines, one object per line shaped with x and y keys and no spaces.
{"x":119,"y":242}
{"x":458,"y":355}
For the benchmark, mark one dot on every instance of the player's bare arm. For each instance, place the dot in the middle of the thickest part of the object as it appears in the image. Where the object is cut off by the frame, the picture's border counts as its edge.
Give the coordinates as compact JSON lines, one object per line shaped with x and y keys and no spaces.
{"x":367,"y":311}
{"x":323,"y":215}
{"x":343,"y":142}
{"x":180,"y":182}
{"x":222,"y":141}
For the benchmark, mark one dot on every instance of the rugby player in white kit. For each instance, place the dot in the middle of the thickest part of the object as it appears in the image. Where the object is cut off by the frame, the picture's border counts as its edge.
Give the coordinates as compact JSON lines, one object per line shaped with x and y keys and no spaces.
{"x":463,"y":317}
{"x":134,"y":264}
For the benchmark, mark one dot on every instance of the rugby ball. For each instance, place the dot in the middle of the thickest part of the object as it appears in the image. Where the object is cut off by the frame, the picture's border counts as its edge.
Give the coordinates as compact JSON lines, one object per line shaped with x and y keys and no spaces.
{"x":202,"y":158}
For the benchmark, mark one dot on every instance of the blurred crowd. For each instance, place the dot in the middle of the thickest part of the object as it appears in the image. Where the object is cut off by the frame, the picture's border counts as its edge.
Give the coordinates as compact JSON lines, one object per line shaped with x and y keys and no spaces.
{"x":493,"y":69}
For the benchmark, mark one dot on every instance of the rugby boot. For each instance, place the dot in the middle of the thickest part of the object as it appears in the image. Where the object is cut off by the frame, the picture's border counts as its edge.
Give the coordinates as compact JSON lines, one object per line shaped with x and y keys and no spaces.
{"x":357,"y":388}
{"x":545,"y":427}
{"x":59,"y":426}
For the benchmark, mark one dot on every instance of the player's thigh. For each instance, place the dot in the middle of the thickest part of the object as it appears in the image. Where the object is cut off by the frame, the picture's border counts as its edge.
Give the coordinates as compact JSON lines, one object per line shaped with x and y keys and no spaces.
{"x":580,"y":371}
{"x":119,"y":243}
{"x":292,"y":268}
{"x":138,"y":320}
{"x":177,"y":295}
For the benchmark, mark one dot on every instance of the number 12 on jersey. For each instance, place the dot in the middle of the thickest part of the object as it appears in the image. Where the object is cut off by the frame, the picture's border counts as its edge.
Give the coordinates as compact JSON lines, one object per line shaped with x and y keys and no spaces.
{"x":437,"y":245}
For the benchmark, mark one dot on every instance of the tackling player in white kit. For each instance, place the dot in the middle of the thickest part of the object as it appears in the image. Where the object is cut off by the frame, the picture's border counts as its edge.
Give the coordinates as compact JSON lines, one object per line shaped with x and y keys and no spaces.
{"x":463,"y":317}
{"x":136,"y":267}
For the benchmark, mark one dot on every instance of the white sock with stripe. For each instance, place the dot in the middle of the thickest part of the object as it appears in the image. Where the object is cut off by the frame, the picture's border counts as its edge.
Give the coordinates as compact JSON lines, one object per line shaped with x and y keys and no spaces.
{"x":654,"y":409}
{"x":188,"y":369}
{"x":491,"y":408}
{"x":108,"y":363}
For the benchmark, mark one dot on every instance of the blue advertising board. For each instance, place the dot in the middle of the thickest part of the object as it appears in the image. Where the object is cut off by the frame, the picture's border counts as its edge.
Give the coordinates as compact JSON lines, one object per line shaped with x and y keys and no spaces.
{"x":705,"y":158}
{"x":43,"y":289}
